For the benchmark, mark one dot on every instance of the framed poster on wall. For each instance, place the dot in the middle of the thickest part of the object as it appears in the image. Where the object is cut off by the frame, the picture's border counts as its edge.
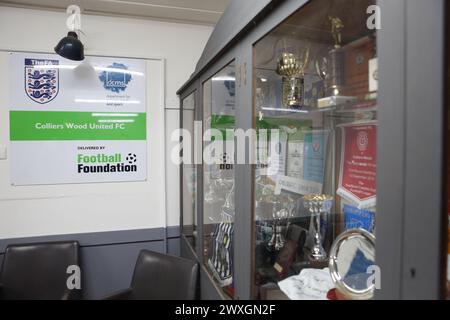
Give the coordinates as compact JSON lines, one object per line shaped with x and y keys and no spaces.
{"x":77,"y":122}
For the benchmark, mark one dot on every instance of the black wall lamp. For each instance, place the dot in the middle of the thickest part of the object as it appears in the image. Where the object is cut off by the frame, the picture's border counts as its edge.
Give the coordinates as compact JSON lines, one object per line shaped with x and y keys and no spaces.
{"x":70,"y":47}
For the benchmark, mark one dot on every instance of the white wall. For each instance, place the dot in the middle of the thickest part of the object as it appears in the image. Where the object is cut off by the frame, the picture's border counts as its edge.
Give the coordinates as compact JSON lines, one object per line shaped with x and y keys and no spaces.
{"x":180,"y":44}
{"x":68,"y":209}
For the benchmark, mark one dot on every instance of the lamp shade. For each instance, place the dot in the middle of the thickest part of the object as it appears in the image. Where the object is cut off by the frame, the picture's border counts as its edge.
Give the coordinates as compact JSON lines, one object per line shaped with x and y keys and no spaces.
{"x":70,"y":47}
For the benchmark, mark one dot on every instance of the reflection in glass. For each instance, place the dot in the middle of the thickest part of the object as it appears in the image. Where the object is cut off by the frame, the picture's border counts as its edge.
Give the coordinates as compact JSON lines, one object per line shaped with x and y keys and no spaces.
{"x":189,"y":175}
{"x":218,"y":177}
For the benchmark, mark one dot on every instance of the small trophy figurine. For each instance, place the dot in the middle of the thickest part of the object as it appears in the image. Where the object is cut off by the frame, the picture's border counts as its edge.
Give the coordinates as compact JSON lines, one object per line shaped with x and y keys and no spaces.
{"x":336,"y":28}
{"x":331,"y":69}
{"x":292,"y":69}
{"x":317,"y":205}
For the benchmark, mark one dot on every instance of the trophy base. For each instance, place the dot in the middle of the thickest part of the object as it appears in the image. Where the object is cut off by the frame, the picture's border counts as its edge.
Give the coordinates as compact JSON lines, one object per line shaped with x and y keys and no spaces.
{"x":317,"y":253}
{"x":296,"y":107}
{"x":371,"y":95}
{"x":318,"y":264}
{"x":317,"y":257}
{"x":334,"y":101}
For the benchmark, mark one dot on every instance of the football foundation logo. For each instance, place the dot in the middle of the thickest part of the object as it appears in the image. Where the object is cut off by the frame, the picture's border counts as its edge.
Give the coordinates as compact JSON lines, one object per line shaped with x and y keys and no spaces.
{"x":106,"y":163}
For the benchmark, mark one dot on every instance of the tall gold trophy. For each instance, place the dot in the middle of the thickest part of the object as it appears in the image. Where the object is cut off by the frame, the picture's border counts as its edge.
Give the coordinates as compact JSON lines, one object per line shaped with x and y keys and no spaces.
{"x":332,"y":69}
{"x":292,"y":70}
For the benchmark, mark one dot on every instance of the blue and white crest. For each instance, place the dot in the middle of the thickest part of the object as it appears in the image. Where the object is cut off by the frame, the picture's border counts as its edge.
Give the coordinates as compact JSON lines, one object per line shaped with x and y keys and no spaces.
{"x":41,"y":79}
{"x":114,"y":79}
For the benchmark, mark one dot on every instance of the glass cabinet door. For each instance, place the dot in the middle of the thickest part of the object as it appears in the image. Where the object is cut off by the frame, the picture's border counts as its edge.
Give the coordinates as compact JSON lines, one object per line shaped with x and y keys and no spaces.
{"x":315,"y":114}
{"x":218,"y":176}
{"x":189,"y":173}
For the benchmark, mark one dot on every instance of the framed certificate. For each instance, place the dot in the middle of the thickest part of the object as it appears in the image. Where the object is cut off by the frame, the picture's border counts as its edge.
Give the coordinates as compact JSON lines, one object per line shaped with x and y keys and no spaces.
{"x":357,"y":173}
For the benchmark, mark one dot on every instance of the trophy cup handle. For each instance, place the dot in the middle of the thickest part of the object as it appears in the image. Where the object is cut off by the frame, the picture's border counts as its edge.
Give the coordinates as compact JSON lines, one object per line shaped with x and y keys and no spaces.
{"x":305,"y":60}
{"x":321,"y":68}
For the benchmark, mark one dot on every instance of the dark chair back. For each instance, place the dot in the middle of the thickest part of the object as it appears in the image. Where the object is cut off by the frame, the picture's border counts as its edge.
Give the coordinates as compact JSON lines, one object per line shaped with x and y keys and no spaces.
{"x":38,"y":270}
{"x":163,"y":277}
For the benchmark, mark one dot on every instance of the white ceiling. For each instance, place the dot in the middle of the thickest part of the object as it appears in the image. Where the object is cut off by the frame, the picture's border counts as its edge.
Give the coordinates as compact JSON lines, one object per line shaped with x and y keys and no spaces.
{"x":191,"y":11}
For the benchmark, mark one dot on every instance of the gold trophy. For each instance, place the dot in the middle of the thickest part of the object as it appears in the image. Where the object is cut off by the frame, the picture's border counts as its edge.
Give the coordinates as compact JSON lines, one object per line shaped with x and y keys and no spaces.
{"x":292,"y":70}
{"x":332,"y":69}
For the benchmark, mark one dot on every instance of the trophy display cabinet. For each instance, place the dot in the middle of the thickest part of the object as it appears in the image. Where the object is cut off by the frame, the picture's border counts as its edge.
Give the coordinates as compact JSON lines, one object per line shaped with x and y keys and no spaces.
{"x":313,"y":151}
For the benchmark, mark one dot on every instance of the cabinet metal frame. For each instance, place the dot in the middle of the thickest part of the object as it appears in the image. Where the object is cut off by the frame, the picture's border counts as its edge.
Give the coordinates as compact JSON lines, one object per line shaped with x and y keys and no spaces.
{"x":410,"y":159}
{"x":186,"y":249}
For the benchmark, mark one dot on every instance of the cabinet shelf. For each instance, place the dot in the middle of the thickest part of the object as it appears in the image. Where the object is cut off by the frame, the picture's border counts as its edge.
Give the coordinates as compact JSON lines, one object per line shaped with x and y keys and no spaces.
{"x":336,"y":111}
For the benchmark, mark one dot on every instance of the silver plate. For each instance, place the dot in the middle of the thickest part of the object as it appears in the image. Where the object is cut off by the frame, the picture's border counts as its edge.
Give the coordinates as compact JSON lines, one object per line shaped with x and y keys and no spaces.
{"x":341,"y":253}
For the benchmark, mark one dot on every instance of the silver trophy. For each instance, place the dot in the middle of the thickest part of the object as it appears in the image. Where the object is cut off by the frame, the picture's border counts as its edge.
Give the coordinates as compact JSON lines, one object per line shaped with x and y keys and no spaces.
{"x":317,"y":205}
{"x":219,"y":181}
{"x":228,"y":206}
{"x":278,"y":240}
{"x":282,"y":210}
{"x":331,"y":69}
